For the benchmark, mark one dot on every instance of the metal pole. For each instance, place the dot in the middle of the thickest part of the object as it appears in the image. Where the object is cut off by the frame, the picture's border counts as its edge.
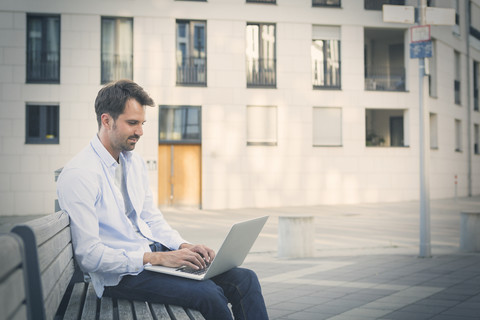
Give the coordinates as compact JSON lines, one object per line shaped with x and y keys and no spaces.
{"x":425,"y":247}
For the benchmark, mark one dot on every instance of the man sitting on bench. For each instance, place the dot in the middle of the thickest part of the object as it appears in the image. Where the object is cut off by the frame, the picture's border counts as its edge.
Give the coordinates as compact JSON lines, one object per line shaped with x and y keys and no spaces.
{"x":117,"y":230}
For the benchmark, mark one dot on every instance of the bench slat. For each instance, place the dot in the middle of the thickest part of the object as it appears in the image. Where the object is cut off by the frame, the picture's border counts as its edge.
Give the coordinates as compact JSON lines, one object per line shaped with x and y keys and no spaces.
{"x":51,"y":248}
{"x":47,"y":226}
{"x":12,"y":293}
{"x":124,"y":309}
{"x":11,"y":253}
{"x":74,"y":304}
{"x":142,"y":311}
{"x":90,"y":306}
{"x":106,"y":308}
{"x":53,"y":299}
{"x":21,"y":313}
{"x":195,"y":314}
{"x":12,"y":278}
{"x":50,"y":276}
{"x":178,"y":312}
{"x":160,"y":311}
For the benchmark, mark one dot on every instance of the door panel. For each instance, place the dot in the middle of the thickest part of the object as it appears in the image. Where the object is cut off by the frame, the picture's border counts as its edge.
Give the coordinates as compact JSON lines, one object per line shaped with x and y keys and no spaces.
{"x":179,"y":175}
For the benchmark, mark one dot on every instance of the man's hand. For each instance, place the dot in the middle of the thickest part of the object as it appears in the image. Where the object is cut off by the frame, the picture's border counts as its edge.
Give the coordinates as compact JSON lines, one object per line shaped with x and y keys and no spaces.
{"x":207,"y":254}
{"x":193,"y":256}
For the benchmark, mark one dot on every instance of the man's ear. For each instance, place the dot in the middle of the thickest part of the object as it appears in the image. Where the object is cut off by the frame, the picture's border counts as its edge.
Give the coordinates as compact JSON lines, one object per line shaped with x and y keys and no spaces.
{"x":106,"y":120}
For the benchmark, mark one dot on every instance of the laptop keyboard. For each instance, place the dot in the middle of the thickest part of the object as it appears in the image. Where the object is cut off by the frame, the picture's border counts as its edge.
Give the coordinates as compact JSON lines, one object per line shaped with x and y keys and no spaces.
{"x":193,"y":271}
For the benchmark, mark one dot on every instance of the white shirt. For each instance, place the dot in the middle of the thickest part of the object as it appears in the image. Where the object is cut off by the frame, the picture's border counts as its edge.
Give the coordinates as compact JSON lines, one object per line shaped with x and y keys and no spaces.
{"x":104,"y":238}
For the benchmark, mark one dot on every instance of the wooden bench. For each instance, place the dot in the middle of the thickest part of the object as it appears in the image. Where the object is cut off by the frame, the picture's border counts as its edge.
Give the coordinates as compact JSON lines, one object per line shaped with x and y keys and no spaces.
{"x":56,"y":289}
{"x":13,"y":302}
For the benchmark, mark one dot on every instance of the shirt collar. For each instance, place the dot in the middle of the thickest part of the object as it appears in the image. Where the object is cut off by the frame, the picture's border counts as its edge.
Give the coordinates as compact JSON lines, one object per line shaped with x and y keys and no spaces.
{"x":105,"y":156}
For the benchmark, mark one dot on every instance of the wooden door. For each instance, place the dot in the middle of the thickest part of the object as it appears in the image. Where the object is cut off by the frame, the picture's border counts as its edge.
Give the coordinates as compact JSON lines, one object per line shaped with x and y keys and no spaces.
{"x":179,"y":174}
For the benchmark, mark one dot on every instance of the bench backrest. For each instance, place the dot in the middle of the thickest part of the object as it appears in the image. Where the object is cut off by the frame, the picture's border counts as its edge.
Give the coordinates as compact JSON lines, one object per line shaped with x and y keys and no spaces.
{"x":13,"y":302}
{"x":49,"y":257}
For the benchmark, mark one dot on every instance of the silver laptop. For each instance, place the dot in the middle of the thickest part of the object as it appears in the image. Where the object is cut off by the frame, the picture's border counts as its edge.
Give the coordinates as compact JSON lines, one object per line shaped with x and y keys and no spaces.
{"x":231,"y":254}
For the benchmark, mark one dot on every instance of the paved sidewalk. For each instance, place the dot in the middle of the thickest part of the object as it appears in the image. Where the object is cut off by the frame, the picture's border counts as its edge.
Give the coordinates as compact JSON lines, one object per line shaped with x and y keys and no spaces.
{"x":366,"y":263}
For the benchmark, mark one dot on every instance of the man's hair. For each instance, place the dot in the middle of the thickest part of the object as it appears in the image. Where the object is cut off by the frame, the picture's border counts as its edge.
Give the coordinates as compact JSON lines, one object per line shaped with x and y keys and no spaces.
{"x":112,"y":98}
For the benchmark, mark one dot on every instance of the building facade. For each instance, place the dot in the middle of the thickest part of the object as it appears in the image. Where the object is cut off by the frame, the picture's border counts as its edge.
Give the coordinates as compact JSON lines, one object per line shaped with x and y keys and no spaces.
{"x":260,"y":102}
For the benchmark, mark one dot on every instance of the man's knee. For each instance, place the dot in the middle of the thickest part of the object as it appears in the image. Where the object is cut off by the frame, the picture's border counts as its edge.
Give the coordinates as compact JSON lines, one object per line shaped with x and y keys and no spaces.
{"x":212,"y":302}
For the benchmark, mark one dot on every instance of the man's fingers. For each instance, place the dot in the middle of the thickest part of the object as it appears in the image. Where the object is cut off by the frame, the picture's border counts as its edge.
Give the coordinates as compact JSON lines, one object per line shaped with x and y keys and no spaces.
{"x":196,"y":259}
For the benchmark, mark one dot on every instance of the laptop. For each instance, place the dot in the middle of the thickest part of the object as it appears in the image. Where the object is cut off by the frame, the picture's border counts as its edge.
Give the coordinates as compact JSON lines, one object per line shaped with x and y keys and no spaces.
{"x":232,"y":252}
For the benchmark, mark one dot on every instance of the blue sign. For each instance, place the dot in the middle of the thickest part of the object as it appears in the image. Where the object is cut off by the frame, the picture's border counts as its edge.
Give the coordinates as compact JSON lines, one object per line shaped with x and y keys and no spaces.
{"x":421,"y":49}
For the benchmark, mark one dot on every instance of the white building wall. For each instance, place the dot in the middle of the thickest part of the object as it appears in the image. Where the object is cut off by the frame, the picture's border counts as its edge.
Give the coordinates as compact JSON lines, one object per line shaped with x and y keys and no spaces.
{"x":292,"y":173}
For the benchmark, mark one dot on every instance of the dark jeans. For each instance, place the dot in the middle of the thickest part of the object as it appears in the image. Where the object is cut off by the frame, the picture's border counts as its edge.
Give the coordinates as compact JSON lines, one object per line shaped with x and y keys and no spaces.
{"x":238,"y":286}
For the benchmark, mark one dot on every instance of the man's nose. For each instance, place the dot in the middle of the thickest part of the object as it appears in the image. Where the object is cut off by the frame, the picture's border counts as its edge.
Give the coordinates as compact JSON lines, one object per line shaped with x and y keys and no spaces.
{"x":139,"y":131}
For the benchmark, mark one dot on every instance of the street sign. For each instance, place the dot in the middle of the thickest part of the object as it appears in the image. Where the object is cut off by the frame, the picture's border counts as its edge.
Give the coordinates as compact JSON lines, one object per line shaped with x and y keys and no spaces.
{"x":419,"y":33}
{"x":398,"y":14}
{"x":440,"y":16}
{"x":421,"y":49}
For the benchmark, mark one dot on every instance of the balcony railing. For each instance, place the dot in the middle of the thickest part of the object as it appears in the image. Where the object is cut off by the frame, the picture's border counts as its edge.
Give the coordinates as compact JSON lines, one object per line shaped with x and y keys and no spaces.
{"x":382,"y":80}
{"x":118,"y":67}
{"x":456,"y":86}
{"x":377,"y":4}
{"x":261,"y":73}
{"x":326,"y":3}
{"x":330,"y":79}
{"x":192,"y":71}
{"x":47,"y":70}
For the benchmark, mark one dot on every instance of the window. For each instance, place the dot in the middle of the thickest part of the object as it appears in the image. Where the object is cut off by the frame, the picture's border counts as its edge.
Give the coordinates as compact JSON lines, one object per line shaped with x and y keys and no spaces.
{"x":449,"y":4}
{"x":261,"y":56}
{"x":476,"y":85}
{"x":458,"y":135}
{"x":431,"y":70}
{"x":433,"y":131}
{"x":180,"y":124}
{"x":42,"y":124}
{"x":326,"y":57}
{"x":262,"y":1}
{"x":327,"y":126}
{"x":385,"y":128}
{"x":326,"y":3}
{"x":191,"y":53}
{"x":384,"y":59}
{"x":261,"y":126}
{"x":117,"y":49}
{"x":456,"y":82}
{"x":476,"y":139}
{"x":377,"y":4}
{"x":457,"y":17}
{"x":43,"y":48}
{"x":474,"y":20}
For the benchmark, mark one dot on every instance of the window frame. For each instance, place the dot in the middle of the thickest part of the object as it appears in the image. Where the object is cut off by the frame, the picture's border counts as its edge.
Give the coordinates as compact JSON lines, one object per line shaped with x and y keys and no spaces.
{"x":262,"y":141}
{"x":328,"y":34}
{"x":29,"y":67}
{"x":190,"y":39}
{"x":457,"y":81}
{"x":458,"y":135}
{"x":262,"y":1}
{"x":180,"y":108}
{"x":262,"y":70}
{"x":43,"y":137}
{"x":433,"y":127}
{"x":476,"y":139}
{"x":324,"y":3}
{"x":315,"y":124}
{"x":103,"y":76}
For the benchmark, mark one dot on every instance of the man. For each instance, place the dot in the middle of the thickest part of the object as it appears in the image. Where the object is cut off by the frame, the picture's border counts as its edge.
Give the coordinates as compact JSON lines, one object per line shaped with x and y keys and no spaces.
{"x":117,"y":230}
